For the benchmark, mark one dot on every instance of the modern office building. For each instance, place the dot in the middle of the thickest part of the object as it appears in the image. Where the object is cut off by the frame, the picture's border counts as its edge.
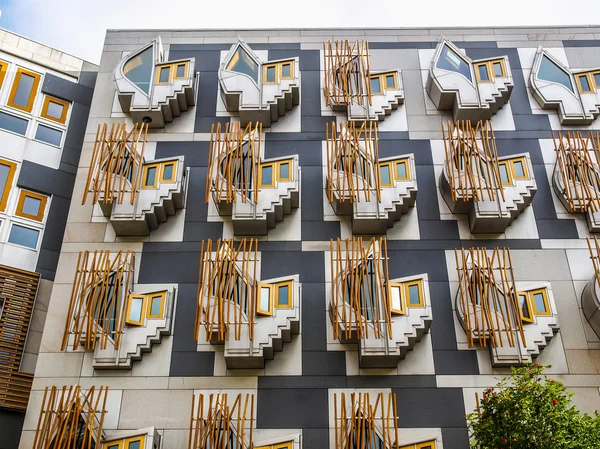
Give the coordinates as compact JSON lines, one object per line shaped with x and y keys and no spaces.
{"x":327,"y":239}
{"x":45,"y":98}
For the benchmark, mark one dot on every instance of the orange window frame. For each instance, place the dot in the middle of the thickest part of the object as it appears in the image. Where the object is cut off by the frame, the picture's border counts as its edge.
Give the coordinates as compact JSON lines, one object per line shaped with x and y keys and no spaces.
{"x":142,"y":319}
{"x":591,"y":82}
{"x":393,"y":309}
{"x":159,"y":69}
{"x":65,"y":104}
{"x":36,"y":82}
{"x":43,"y":201}
{"x":150,"y":297}
{"x":281,"y":76}
{"x":265,"y":70}
{"x":419,"y":284}
{"x":290,"y":303}
{"x":406,"y":164}
{"x":185,"y":73}
{"x":3,"y":70}
{"x":259,"y":310}
{"x":162,"y":171}
{"x":12,"y":168}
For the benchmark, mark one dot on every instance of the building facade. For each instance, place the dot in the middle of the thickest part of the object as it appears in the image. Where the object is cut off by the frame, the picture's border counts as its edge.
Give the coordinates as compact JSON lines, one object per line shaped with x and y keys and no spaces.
{"x":325,"y":238}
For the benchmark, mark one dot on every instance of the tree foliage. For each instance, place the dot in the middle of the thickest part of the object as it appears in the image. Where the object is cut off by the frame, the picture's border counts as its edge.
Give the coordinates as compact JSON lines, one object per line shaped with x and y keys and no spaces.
{"x":527,"y":410}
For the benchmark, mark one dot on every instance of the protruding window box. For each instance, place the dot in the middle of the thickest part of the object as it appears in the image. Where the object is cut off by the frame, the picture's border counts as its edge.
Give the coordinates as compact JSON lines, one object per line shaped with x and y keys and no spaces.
{"x":258,"y":91}
{"x":153,"y":90}
{"x":146,"y":438}
{"x":492,"y":190}
{"x":472,"y":89}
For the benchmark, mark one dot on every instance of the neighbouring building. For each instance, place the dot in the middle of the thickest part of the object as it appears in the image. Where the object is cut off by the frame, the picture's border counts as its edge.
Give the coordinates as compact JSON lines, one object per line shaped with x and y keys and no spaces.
{"x":327,"y":239}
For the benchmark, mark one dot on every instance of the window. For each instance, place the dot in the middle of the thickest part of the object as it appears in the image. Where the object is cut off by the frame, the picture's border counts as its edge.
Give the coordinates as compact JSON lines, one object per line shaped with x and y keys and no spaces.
{"x":20,"y":235}
{"x":139,"y":69}
{"x":414,"y":294}
{"x":487,"y":71}
{"x":284,"y":170}
{"x":396,"y":302}
{"x":242,"y":62}
{"x":164,"y":75}
{"x":3,"y":69}
{"x":511,"y":169}
{"x":376,"y":85}
{"x":136,"y":305}
{"x":287,"y":71}
{"x":7,"y":174}
{"x":168,"y":172}
{"x":279,"y":295}
{"x":286,"y":445}
{"x":270,"y":74}
{"x":156,"y":305}
{"x":385,"y":174}
{"x":482,"y":72}
{"x":265,"y":303}
{"x":181,"y":70}
{"x":142,"y":306}
{"x":24,"y":90}
{"x":48,"y":135}
{"x":266,"y":178}
{"x":499,"y":70}
{"x":391,"y":82}
{"x":526,"y":313}
{"x":401,"y":171}
{"x":137,"y":442}
{"x":549,"y":71}
{"x":14,"y":124}
{"x":283,"y":295}
{"x":595,"y":77}
{"x":518,"y":168}
{"x":584,"y":82}
{"x":31,"y":205}
{"x":504,"y":175}
{"x":539,"y":302}
{"x":425,"y":445}
{"x":55,"y":109}
{"x":450,"y":60}
{"x":150,"y":178}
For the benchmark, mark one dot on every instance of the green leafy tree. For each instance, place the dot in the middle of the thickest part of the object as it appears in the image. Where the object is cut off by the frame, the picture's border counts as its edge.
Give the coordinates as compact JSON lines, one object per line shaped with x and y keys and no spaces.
{"x":527,"y":410}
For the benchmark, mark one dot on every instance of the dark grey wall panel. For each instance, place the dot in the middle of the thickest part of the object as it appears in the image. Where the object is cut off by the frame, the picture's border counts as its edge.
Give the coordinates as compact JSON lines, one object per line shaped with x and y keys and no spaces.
{"x":11,"y":424}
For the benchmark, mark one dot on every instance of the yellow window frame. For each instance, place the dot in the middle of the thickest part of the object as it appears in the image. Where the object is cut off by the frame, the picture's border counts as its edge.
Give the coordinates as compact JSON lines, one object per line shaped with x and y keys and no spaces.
{"x":389,"y":167}
{"x":407,"y":286}
{"x":38,"y":196}
{"x":509,"y":168}
{"x":502,"y":66}
{"x":273,"y":175}
{"x":265,"y":69}
{"x":394,"y":75}
{"x":65,"y":104}
{"x":400,"y":287}
{"x":12,"y":168}
{"x":162,"y":171}
{"x":144,"y":178}
{"x":290,"y":303}
{"x":290,"y":176}
{"x":185,"y":73}
{"x":140,"y":438}
{"x":527,"y":304}
{"x":593,"y":75}
{"x":3,"y":70}
{"x":514,"y":172}
{"x":142,"y":319}
{"x":281,"y":76}
{"x":286,"y":445}
{"x":260,"y":311}
{"x":405,"y":162}
{"x":113,"y":443}
{"x":159,"y":69}
{"x":149,"y":297}
{"x":544,"y":293}
{"x":589,"y":80}
{"x":381,"y":87}
{"x":487,"y":69}
{"x":426,"y":444}
{"x":36,"y":82}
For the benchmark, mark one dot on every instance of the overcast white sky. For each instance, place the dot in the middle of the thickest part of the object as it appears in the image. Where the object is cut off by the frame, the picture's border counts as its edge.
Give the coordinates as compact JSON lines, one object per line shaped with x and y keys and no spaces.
{"x":78,"y":26}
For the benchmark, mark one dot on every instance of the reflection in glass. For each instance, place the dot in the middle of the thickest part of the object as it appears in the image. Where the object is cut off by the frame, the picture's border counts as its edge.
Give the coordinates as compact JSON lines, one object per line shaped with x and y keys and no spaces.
{"x":283,"y":295}
{"x":4,"y":172}
{"x":55,"y":110}
{"x":164,"y":75}
{"x":396,"y":299}
{"x":241,"y":62}
{"x":155,"y":305}
{"x":180,"y":71}
{"x":284,"y":170}
{"x":20,"y":235}
{"x":385,"y":175}
{"x":504,"y":174}
{"x":265,"y":299}
{"x":12,"y":123}
{"x":267,"y":175}
{"x":168,"y":172}
{"x":48,"y":135}
{"x":286,"y":70}
{"x":135,"y":313}
{"x":413,"y":295}
{"x":31,"y":206}
{"x":375,"y":85}
{"x":401,"y":170}
{"x":139,"y":69}
{"x":585,"y":85}
{"x":483,"y":72}
{"x":23,"y":93}
{"x":390,"y":83}
{"x":150,"y":177}
{"x":540,"y":304}
{"x":498,"y":69}
{"x":451,"y":61}
{"x":549,"y":71}
{"x":271,"y":74}
{"x":519,"y":170}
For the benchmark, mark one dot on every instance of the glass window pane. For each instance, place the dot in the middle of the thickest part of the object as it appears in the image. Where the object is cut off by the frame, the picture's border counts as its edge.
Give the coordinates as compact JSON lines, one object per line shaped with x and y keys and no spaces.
{"x":150,"y":176}
{"x":449,"y":60}
{"x":389,"y":82}
{"x":139,"y":69}
{"x":168,"y":171}
{"x":384,"y":174}
{"x":585,"y":85}
{"x":23,"y":92}
{"x":243,"y":63}
{"x":396,"y":299}
{"x":549,"y":71}
{"x":498,"y":69}
{"x":267,"y":174}
{"x":401,"y":170}
{"x":164,"y":74}
{"x":286,"y":70}
{"x":504,"y":173}
{"x":265,"y":299}
{"x":48,"y":135}
{"x":413,"y":295}
{"x":135,"y":313}
{"x":284,"y":170}
{"x":134,"y":445}
{"x":4,"y":172}
{"x":20,"y":235}
{"x":55,"y":110}
{"x":155,"y":305}
{"x":540,"y":305}
{"x":597,"y":79}
{"x":31,"y":205}
{"x":12,"y":123}
{"x":114,"y":446}
{"x":524,"y":308}
{"x":519,"y":171}
{"x":375,"y":85}
{"x":180,"y":71}
{"x":483,"y":72}
{"x":283,"y":295}
{"x":271,"y":74}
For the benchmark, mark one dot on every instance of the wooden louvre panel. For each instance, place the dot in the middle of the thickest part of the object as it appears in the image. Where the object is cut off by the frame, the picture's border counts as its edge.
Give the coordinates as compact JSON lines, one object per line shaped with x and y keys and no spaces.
{"x":361,"y":419}
{"x":578,"y":158}
{"x":18,"y":289}
{"x":233,"y":163}
{"x":347,"y":73}
{"x":488,"y":297}
{"x":352,"y":162}
{"x":71,"y":418}
{"x":359,"y":298}
{"x":98,"y":299}
{"x":116,"y":164}
{"x":472,"y":161}
{"x":215,"y":423}
{"x":227,"y":288}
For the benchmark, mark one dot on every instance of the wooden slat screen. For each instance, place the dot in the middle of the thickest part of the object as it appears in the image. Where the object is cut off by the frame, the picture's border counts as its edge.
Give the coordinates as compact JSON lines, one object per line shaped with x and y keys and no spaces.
{"x":351,"y":282}
{"x":98,"y":303}
{"x":347,"y":71}
{"x":226,"y":293}
{"x":216,"y":424}
{"x":472,"y":161}
{"x":578,"y":160}
{"x":70,"y":418}
{"x":18,"y":289}
{"x":116,"y":165}
{"x":352,"y":162}
{"x":356,"y":418}
{"x":488,"y":297}
{"x":233,"y":163}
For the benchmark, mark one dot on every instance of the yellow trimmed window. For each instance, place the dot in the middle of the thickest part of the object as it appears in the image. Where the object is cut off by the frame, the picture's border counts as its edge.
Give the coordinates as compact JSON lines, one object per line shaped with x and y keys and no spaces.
{"x":55,"y":109}
{"x":403,"y":295}
{"x":391,"y":171}
{"x":401,"y":170}
{"x":137,"y":442}
{"x":163,"y":74}
{"x":279,"y":295}
{"x":424,"y":445}
{"x":511,"y":169}
{"x":286,"y":70}
{"x":166,"y":73}
{"x":181,"y":70}
{"x":385,"y":174}
{"x":525,"y":307}
{"x":382,"y":82}
{"x":286,"y":445}
{"x":3,"y":70}
{"x":142,"y":306}
{"x":7,"y":175}
{"x":584,"y":82}
{"x":487,"y":71}
{"x":168,"y":171}
{"x":283,"y":295}
{"x":270,"y":75}
{"x":31,"y":205}
{"x":284,"y":170}
{"x":24,"y":90}
{"x":534,"y":303}
{"x":160,"y":171}
{"x":396,"y":300}
{"x":596,"y":79}
{"x":270,"y":172}
{"x":414,"y":293}
{"x":265,"y":300}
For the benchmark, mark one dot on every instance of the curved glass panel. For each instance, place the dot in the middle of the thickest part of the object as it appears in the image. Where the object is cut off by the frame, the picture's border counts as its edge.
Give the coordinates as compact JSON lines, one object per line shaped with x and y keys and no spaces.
{"x":549,"y":71}
{"x":450,"y":60}
{"x":241,"y":62}
{"x":139,"y":70}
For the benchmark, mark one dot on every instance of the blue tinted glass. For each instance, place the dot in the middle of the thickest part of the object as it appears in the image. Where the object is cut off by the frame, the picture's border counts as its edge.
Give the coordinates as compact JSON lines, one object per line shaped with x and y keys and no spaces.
{"x":375,"y":85}
{"x":540,"y":304}
{"x":585,"y":85}
{"x":180,"y":71}
{"x":385,"y":175}
{"x":284,"y":171}
{"x":413,"y":294}
{"x":286,"y":70}
{"x":168,"y":172}
{"x":31,"y":205}
{"x":55,"y":110}
{"x":134,"y":445}
{"x":12,"y":123}
{"x":151,"y":176}
{"x":48,"y":135}
{"x":283,"y":297}
{"x":503,"y":173}
{"x":390,"y":83}
{"x":4,"y":172}
{"x":20,"y":235}
{"x":519,"y":171}
{"x":449,"y":60}
{"x":271,"y":74}
{"x":401,"y":170}
{"x":135,"y":313}
{"x":139,"y":69}
{"x":155,"y":308}
{"x":549,"y":71}
{"x":267,"y":175}
{"x":23,"y":92}
{"x":243,"y":63}
{"x":164,"y":74}
{"x":483,"y":72}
